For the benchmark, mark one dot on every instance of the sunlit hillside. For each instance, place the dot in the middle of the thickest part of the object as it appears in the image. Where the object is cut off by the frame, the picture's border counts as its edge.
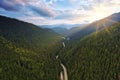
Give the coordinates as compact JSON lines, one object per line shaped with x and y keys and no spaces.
{"x":95,"y":57}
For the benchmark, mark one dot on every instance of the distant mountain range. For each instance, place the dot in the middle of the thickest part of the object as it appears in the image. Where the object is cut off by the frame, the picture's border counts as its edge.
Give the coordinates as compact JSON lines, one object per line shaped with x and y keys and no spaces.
{"x":67,"y":26}
{"x":79,"y":30}
{"x":62,"y":29}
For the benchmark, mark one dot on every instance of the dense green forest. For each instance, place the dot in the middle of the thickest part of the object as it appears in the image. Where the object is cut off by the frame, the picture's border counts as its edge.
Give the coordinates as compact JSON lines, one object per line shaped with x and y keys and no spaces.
{"x":27,"y":52}
{"x":94,"y":57}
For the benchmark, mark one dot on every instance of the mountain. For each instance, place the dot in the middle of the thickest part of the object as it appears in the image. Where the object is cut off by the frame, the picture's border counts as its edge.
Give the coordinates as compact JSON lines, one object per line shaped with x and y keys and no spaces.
{"x":95,"y":56}
{"x":60,"y":30}
{"x":26,"y":51}
{"x":74,"y":30}
{"x":63,"y":29}
{"x":96,"y":26}
{"x":26,"y":33}
{"x":67,"y":26}
{"x":115,"y":17}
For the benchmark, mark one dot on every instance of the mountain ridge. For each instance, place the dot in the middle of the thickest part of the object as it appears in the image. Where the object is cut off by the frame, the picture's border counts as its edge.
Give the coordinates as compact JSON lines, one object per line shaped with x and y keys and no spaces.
{"x":96,"y":26}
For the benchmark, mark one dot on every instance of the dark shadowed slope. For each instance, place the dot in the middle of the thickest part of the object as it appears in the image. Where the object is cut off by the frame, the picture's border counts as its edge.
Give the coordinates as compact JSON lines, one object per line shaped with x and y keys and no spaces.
{"x":25,"y":34}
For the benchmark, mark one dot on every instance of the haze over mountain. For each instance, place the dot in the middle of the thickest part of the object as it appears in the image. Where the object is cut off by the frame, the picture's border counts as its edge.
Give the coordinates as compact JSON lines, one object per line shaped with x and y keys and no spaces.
{"x":62,"y":29}
{"x":95,"y":26}
{"x":67,"y":26}
{"x":84,"y":29}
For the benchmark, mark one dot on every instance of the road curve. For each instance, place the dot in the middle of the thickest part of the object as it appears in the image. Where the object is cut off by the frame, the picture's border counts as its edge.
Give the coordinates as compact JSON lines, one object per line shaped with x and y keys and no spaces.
{"x":65,"y":72}
{"x":61,"y":76}
{"x":63,"y":44}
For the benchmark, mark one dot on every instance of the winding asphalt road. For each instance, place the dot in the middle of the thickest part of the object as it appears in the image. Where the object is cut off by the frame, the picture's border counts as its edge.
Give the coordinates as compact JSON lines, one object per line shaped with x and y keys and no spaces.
{"x":63,"y":44}
{"x":65,"y":76}
{"x":63,"y":73}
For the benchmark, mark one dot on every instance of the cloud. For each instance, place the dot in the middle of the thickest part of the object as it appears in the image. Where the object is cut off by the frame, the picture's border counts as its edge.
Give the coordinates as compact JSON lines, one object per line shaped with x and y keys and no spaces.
{"x":59,"y":11}
{"x":34,"y":6}
{"x":43,"y":11}
{"x":72,"y":1}
{"x":70,"y":14}
{"x":81,"y":11}
{"x":10,"y":5}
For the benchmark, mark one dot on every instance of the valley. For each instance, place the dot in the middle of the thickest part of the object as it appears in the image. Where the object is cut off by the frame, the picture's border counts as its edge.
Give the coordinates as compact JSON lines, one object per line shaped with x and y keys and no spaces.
{"x":29,"y":52}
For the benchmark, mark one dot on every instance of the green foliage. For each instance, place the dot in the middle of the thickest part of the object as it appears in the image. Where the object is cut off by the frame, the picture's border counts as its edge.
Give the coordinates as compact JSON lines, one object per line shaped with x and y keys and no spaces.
{"x":95,"y":57}
{"x":23,"y":64}
{"x":27,"y":52}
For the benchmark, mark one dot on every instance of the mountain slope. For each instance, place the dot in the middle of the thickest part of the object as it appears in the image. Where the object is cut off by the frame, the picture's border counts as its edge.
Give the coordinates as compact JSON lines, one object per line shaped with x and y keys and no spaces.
{"x":60,"y":30}
{"x":74,"y":30}
{"x":25,"y":34}
{"x":96,"y":26}
{"x":95,"y":57}
{"x":27,"y":52}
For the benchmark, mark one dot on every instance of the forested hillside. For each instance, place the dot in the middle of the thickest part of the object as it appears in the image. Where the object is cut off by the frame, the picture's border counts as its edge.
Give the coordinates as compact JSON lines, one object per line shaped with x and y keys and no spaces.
{"x":25,"y":35}
{"x":94,"y":57}
{"x":27,"y":52}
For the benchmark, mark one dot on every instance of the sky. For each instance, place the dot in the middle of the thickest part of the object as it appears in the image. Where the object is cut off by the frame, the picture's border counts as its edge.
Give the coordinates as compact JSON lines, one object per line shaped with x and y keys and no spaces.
{"x":48,"y":12}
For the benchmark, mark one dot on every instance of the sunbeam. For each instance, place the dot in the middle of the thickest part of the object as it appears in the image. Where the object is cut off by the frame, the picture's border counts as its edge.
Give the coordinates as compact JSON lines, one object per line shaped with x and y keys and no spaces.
{"x":106,"y":28}
{"x":112,"y":21}
{"x":97,"y":29}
